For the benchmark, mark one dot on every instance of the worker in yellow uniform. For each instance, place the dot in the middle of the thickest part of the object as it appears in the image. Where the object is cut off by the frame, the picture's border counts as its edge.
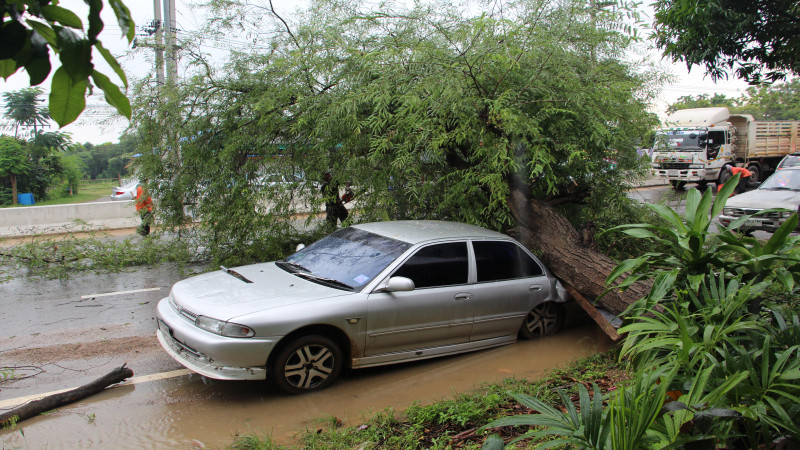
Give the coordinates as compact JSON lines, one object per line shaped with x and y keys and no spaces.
{"x":144,"y":206}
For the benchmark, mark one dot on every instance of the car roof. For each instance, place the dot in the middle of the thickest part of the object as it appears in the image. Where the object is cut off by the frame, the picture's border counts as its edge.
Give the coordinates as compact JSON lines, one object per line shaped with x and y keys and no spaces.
{"x":418,"y":231}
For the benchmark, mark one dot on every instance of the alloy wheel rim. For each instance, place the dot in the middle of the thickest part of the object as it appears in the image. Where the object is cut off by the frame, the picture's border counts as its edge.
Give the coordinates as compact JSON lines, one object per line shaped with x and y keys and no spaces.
{"x":542,"y":319}
{"x":309,"y":366}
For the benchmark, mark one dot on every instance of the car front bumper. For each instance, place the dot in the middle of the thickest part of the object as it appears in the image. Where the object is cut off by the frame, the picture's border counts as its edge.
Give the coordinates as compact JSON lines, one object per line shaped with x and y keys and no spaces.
{"x":211,"y":355}
{"x":769,"y":224}
{"x":680,"y":174}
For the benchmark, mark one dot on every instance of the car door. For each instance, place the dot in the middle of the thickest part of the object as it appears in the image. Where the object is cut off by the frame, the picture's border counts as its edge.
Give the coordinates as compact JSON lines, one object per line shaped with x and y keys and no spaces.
{"x":509,"y":284}
{"x":435,"y":313}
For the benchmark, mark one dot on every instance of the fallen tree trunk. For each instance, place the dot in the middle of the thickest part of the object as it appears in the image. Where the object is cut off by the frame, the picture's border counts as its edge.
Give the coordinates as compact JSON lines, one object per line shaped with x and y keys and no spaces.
{"x":542,"y":228}
{"x":36,"y":407}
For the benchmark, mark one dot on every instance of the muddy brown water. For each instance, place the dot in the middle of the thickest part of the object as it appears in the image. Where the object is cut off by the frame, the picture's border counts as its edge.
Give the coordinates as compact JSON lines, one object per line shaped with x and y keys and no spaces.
{"x":191,"y":411}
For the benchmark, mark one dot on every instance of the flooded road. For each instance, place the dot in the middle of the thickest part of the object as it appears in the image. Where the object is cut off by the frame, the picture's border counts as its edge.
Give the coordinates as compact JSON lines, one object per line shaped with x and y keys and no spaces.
{"x":61,"y":334}
{"x":191,"y":411}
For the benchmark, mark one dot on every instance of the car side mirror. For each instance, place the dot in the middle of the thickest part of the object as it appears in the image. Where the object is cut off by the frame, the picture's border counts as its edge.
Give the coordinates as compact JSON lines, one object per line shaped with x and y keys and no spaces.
{"x":299,"y":247}
{"x":397,"y":284}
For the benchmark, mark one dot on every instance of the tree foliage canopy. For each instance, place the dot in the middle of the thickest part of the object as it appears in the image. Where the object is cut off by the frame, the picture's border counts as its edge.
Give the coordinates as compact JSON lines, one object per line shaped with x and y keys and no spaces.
{"x":756,"y":40}
{"x":779,"y":101}
{"x":31,"y":28}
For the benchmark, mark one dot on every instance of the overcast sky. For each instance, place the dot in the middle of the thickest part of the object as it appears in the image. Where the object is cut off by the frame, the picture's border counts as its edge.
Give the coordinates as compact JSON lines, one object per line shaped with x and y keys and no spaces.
{"x":99,"y":124}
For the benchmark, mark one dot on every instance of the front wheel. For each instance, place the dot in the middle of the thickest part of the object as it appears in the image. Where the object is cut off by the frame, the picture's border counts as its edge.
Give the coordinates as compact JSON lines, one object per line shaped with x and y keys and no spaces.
{"x":307,"y":364}
{"x":755,"y":173}
{"x":545,"y":318}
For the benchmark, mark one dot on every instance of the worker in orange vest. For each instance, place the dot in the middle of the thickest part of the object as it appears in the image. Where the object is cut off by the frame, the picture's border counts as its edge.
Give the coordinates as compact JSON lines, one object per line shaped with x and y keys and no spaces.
{"x":144,"y":206}
{"x":744,"y":177}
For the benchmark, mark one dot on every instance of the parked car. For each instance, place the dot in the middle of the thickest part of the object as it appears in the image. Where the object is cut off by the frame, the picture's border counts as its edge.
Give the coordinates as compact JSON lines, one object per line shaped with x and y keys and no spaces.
{"x":125,"y":192}
{"x":790,"y":160}
{"x":781,"y":190}
{"x":367,"y":295}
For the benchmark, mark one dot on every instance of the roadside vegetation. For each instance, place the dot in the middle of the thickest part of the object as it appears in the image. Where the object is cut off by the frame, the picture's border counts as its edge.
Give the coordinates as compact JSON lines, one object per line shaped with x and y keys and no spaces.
{"x":451,"y":423}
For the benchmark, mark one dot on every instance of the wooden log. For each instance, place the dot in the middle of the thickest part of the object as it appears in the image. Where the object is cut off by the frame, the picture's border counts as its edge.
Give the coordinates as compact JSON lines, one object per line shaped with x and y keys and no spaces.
{"x":36,"y":407}
{"x":590,"y":309}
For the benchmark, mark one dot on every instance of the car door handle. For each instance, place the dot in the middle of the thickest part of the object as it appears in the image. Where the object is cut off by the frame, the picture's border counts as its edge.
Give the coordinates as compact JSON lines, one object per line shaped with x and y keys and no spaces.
{"x":463,"y":296}
{"x":535,"y":287}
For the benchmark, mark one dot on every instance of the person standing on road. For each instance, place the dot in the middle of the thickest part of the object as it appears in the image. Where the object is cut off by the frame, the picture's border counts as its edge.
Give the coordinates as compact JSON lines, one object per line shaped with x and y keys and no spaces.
{"x":144,"y":206}
{"x":744,"y":177}
{"x":334,"y":208}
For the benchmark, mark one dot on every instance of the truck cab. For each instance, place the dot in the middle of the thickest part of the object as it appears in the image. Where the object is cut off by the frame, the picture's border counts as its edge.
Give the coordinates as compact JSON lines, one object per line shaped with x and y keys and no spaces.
{"x":693,"y":146}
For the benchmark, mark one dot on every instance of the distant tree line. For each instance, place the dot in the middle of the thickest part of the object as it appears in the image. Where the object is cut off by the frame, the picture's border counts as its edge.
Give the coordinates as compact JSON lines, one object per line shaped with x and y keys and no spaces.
{"x":48,"y":164}
{"x":779,"y":101}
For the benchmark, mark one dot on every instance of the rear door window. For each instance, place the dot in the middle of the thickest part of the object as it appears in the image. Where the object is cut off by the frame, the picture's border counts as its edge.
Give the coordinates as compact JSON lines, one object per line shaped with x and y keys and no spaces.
{"x":503,"y":260}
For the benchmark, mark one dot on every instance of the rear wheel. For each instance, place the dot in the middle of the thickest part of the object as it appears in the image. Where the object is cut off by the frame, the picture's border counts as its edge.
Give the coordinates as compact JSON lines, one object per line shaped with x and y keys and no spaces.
{"x":545,"y":318}
{"x":307,"y":364}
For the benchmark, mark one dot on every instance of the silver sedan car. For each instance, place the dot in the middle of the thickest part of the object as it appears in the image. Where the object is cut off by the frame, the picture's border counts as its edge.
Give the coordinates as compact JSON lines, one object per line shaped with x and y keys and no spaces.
{"x":767,"y":207}
{"x":366,"y":295}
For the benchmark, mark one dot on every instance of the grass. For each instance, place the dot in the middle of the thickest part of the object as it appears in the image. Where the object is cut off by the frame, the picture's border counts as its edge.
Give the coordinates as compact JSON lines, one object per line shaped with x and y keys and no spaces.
{"x":452,"y":423}
{"x":87,"y":192}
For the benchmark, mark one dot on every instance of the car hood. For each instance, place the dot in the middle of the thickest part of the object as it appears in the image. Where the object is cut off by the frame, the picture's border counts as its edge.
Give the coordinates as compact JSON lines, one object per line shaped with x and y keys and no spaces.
{"x":223,"y":296}
{"x":765,"y":199}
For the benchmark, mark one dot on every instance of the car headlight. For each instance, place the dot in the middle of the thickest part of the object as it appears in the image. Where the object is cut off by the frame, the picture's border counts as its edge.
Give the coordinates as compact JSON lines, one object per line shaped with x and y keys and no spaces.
{"x":655,"y":165}
{"x":221,"y":328}
{"x":695,"y":166}
{"x":727,"y":211}
{"x":786,"y":214}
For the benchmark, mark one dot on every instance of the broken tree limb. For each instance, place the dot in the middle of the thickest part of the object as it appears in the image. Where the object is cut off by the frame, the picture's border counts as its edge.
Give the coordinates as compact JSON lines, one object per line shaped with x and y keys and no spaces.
{"x":37,"y":407}
{"x":590,"y":309}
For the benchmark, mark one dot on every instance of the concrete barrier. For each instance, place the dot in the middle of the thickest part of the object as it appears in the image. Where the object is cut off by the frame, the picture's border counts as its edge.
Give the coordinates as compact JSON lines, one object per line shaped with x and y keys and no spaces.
{"x":74,"y":217}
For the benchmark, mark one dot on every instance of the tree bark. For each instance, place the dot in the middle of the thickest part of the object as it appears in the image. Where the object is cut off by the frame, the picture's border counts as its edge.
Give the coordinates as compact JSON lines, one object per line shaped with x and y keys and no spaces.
{"x":543,"y":229}
{"x":37,"y":407}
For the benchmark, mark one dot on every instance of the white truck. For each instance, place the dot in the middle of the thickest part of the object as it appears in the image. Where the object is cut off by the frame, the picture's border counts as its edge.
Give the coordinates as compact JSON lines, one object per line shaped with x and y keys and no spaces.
{"x":694,"y":144}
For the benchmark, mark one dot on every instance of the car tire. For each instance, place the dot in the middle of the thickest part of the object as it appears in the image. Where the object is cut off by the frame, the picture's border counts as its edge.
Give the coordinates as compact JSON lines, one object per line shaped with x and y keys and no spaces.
{"x":307,"y":364}
{"x":545,"y":318}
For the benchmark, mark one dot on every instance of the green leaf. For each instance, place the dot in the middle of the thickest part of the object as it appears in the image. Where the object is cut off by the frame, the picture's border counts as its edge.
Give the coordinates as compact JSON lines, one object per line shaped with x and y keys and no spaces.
{"x":44,"y":31}
{"x":112,"y":62}
{"x":75,"y":54}
{"x":7,"y":68}
{"x":14,"y":37}
{"x":112,"y":93}
{"x":62,"y":16}
{"x":494,"y":442}
{"x":95,"y":22}
{"x":67,"y":97}
{"x":124,"y":19}
{"x":38,"y":67}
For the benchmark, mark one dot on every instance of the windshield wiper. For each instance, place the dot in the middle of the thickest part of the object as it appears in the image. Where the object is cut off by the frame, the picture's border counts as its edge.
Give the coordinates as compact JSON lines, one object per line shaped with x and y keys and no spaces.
{"x":292,"y":265}
{"x":329,"y":281}
{"x":235,"y":274}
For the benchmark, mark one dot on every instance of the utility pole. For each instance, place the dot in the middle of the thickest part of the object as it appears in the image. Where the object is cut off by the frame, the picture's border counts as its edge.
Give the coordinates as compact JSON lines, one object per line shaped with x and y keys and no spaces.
{"x":170,"y":27}
{"x":159,"y":43}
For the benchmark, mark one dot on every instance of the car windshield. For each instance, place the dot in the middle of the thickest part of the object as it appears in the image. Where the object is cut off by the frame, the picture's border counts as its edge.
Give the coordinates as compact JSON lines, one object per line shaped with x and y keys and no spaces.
{"x":789,"y":161}
{"x":690,"y":140}
{"x":783,"y":179}
{"x":349,"y":256}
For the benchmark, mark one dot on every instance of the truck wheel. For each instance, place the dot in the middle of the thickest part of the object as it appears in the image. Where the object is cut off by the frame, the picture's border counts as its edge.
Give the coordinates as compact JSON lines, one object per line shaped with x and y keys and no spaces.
{"x":678,"y":185}
{"x":755,"y":169}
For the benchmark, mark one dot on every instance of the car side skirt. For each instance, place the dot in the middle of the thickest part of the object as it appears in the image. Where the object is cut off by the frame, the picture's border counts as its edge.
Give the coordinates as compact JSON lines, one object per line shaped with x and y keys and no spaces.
{"x":435,"y":352}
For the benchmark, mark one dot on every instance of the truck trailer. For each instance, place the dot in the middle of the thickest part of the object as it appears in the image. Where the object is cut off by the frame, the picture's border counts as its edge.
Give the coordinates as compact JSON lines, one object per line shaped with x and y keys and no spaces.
{"x":694,"y":144}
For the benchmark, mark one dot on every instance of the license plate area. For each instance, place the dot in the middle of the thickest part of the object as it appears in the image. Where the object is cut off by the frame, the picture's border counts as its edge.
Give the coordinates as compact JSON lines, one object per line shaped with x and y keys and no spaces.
{"x":673,"y":173}
{"x":164,"y":328}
